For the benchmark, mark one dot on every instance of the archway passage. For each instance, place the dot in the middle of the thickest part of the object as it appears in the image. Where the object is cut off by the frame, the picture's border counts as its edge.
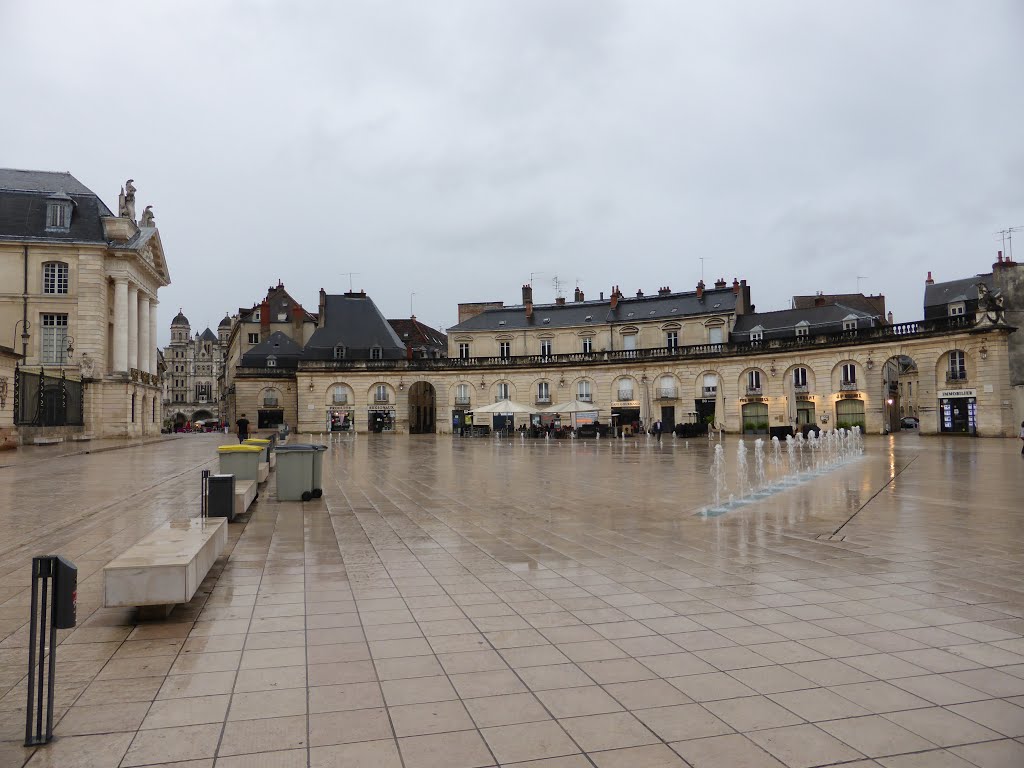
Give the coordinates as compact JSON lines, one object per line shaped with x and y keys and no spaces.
{"x":422,"y":408}
{"x":201,"y":415}
{"x":900,"y":385}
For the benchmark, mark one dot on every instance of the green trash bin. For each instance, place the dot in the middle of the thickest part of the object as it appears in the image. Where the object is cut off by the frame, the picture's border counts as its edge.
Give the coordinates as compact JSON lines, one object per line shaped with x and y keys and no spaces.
{"x":242,"y":461}
{"x":299,"y":471}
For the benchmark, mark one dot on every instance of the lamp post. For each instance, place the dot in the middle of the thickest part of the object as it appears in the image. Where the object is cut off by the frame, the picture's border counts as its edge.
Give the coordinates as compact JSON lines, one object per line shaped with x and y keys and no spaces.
{"x":26,"y":326}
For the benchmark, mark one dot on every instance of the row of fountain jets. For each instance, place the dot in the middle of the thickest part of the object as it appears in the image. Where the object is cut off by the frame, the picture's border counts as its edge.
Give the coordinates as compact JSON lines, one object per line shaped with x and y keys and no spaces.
{"x":819,"y":452}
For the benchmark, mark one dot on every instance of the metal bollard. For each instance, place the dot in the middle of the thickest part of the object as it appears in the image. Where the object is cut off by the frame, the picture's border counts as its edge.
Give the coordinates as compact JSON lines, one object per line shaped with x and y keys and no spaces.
{"x":54,"y":579}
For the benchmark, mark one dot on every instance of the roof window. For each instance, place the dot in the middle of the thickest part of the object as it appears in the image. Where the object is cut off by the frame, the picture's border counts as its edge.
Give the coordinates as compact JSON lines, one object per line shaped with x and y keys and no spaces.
{"x":651,"y":313}
{"x":588,"y":318}
{"x":717,"y":305}
{"x":546,"y":321}
{"x":501,"y":322}
{"x":630,"y":314}
{"x":58,"y":213}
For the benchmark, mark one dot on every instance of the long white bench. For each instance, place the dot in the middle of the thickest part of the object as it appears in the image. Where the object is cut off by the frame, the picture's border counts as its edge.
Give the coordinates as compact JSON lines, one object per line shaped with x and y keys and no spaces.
{"x":81,"y":438}
{"x":166,"y":567}
{"x":262,"y":472}
{"x":47,"y":440}
{"x":245,"y":494}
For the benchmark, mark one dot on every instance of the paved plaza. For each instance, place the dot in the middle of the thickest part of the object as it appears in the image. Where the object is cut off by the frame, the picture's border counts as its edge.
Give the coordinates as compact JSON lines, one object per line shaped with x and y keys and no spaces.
{"x":462,"y":603}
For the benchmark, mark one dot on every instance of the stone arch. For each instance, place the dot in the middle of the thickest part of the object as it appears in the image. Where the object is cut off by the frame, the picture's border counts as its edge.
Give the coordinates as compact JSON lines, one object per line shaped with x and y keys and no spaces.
{"x":495,"y":387}
{"x":746,"y":386}
{"x":422,"y":408}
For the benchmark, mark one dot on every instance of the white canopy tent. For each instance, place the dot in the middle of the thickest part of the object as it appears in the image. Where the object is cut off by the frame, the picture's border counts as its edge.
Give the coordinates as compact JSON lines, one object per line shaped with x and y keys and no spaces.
{"x":506,"y":407}
{"x":573,"y":406}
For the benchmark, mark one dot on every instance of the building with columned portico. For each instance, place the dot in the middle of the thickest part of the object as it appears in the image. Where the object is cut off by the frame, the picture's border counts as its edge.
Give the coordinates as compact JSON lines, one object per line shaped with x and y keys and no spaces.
{"x":78,"y":299}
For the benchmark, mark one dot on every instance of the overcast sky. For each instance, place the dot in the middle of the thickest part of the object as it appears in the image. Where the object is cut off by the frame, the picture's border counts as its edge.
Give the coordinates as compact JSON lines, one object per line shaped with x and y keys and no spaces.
{"x":452,"y":148}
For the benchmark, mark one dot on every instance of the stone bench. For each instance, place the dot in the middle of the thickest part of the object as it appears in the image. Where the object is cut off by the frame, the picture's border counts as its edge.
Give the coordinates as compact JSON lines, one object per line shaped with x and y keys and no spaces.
{"x":166,"y":567}
{"x":262,"y":472}
{"x":245,"y":494}
{"x":81,"y":438}
{"x":47,"y":440}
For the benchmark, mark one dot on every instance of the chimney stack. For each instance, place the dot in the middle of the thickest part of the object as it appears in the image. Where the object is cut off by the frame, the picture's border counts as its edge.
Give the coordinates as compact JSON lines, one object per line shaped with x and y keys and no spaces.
{"x":819,"y":300}
{"x":602,"y":295}
{"x":323,"y":309}
{"x":615,"y":296}
{"x":578,"y":296}
{"x":720,"y":282}
{"x":888,"y":317}
{"x":664,"y":291}
{"x":264,"y":318}
{"x":560,"y":301}
{"x":639,"y":293}
{"x":528,"y":299}
{"x":700,"y":289}
{"x":929,"y":280}
{"x":735,"y":285}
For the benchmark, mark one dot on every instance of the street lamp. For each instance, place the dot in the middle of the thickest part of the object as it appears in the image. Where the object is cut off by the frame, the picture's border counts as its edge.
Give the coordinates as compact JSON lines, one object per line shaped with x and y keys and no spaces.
{"x":26,"y":326}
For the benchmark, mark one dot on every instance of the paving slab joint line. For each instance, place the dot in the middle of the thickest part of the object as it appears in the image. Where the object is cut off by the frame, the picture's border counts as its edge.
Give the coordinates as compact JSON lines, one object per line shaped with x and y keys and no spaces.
{"x":104,"y":449}
{"x":892,"y":479}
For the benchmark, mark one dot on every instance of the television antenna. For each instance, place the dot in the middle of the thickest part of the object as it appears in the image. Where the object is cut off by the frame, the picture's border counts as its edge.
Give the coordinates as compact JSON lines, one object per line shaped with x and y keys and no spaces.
{"x":350,"y":275}
{"x":557,"y":283}
{"x":701,"y":267}
{"x":1007,"y":238}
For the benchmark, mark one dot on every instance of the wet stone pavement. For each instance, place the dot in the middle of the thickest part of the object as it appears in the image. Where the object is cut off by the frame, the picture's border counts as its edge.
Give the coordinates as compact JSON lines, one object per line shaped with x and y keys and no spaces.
{"x":468,"y":603}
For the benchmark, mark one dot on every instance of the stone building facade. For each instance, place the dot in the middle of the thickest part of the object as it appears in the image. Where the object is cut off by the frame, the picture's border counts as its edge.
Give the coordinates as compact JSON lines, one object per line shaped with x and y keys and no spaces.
{"x":8,"y":362}
{"x":842,"y":377}
{"x":193,"y":373}
{"x":78,"y":297}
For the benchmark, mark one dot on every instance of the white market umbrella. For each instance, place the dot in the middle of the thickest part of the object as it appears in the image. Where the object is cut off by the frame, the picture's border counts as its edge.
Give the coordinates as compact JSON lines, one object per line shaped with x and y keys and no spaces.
{"x":573,"y":406}
{"x":506,"y":406}
{"x":719,"y":405}
{"x":791,"y":413}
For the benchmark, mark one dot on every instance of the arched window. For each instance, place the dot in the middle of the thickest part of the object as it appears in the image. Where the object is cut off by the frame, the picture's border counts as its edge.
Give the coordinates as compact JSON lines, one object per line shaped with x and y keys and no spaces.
{"x":583,"y":391}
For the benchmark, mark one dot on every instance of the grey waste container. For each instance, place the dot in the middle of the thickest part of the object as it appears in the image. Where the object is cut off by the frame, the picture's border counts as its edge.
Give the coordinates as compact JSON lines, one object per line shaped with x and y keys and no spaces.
{"x":299,"y":471}
{"x":242,"y":461}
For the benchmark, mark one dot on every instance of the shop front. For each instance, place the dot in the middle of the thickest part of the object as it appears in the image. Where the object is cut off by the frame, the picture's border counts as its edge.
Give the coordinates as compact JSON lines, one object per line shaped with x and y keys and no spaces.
{"x":380,"y":418}
{"x":850,"y":412}
{"x":625,"y":416}
{"x":341,"y":419}
{"x":958,"y":411}
{"x":755,"y":416}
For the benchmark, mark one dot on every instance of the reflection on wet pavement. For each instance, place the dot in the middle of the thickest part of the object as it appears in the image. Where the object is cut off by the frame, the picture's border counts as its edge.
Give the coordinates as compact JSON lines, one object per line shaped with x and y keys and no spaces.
{"x":464,"y":603}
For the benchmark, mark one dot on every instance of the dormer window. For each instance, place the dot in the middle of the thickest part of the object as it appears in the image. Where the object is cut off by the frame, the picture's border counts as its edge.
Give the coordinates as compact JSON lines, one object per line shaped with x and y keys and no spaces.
{"x":756,"y":333}
{"x":956,"y":310}
{"x":271,"y":361}
{"x":339,"y":352}
{"x":282,"y":317}
{"x":802,"y":329}
{"x":850,"y":323}
{"x":256,"y":315}
{"x":58,"y":213}
{"x":376,"y":353}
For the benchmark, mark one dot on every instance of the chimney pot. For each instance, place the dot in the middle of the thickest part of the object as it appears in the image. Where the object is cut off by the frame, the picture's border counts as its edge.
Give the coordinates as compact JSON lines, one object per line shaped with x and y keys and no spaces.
{"x":560,"y":301}
{"x":700,"y":289}
{"x":527,"y":294}
{"x":665,"y":291}
{"x":735,"y":285}
{"x":929,"y":280}
{"x":889,"y":317}
{"x":602,"y":295}
{"x":639,"y":294}
{"x":615,"y":296}
{"x":578,"y":295}
{"x":720,"y":282}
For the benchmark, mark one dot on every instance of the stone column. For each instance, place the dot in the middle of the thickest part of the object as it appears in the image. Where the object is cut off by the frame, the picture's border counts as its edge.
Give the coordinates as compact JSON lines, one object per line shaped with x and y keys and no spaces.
{"x":133,"y":327}
{"x":152,"y":335}
{"x":144,"y":339}
{"x":120,"y":351}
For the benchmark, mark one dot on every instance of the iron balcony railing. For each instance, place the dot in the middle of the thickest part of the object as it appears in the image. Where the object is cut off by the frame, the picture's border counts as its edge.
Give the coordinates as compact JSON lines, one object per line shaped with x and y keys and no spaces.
{"x":270,"y":403}
{"x":499,"y":398}
{"x":800,"y":389}
{"x":625,"y":394}
{"x":882,"y":333}
{"x":462,"y":399}
{"x":954,"y":376}
{"x":753,"y":391}
{"x":666,"y":393}
{"x":340,"y":399}
{"x":709,"y":391}
{"x":847,"y":386}
{"x":381,"y":398}
{"x":543,"y":399}
{"x":587,"y":398}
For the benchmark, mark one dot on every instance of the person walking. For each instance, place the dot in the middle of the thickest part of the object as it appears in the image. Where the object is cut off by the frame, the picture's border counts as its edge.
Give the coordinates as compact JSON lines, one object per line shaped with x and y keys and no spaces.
{"x":656,"y":429}
{"x":242,"y":427}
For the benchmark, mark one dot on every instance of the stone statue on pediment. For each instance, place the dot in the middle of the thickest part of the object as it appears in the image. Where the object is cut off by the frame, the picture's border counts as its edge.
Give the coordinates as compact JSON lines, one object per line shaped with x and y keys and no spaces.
{"x":148,"y":219}
{"x":126,"y":201}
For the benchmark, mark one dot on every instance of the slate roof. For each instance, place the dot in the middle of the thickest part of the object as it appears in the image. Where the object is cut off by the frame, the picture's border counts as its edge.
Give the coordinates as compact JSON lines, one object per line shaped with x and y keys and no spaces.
{"x":415,"y":333}
{"x":575,"y":313}
{"x":783,"y":323}
{"x":964,"y":289}
{"x":180,"y":319}
{"x":278,"y":344}
{"x":873,"y":305}
{"x":23,"y":199}
{"x":278,"y":301}
{"x":209,"y":335}
{"x":225,"y":323}
{"x":353,"y":321}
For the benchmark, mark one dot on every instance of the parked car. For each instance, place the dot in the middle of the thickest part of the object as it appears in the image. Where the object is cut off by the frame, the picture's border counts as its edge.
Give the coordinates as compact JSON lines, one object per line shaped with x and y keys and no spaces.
{"x":910,"y":422}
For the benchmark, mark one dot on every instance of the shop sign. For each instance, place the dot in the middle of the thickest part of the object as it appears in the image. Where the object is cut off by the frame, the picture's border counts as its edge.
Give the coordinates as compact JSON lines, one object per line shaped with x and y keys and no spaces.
{"x":850,"y":396}
{"x":754,"y":399}
{"x":958,"y":393}
{"x":380,"y":408}
{"x":625,"y":403}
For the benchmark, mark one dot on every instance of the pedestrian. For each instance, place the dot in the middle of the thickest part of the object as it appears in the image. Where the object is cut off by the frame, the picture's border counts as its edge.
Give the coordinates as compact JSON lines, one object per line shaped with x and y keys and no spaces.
{"x":243,"y":429}
{"x":657,"y":430}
